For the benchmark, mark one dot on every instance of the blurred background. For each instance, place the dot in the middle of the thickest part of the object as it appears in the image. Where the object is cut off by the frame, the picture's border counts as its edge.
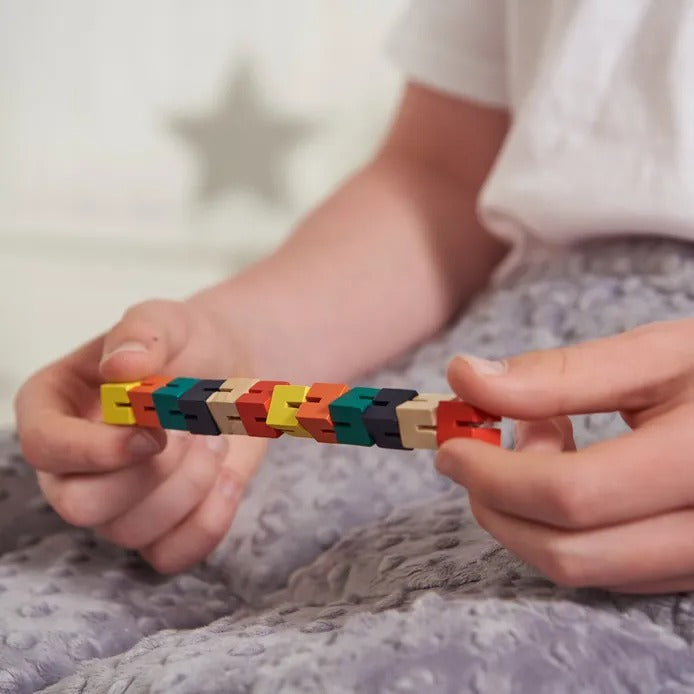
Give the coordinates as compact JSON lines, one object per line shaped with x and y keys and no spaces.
{"x":148,"y":149}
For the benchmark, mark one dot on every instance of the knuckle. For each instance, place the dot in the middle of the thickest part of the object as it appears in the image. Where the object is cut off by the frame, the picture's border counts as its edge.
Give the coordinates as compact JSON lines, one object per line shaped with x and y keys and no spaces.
{"x":563,"y":368}
{"x":479,"y":513}
{"x":570,"y":501}
{"x":101,"y":458}
{"x":645,"y":394}
{"x":661,"y":333}
{"x":210,"y":531}
{"x":140,"y":317}
{"x":162,"y":561}
{"x":150,"y":322}
{"x":19,"y":398}
{"x":198,"y":477}
{"x":137,"y":320}
{"x":34,"y":446}
{"x":560,"y":562}
{"x":122,"y":536}
{"x":51,"y":454}
{"x":147,"y":308}
{"x":563,"y":361}
{"x":671,"y":359}
{"x":483,"y":483}
{"x":75,"y":504}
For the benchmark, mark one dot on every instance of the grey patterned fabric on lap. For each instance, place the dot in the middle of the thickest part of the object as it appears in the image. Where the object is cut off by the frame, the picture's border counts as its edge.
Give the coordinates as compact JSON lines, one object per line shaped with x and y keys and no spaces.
{"x":358,"y":570}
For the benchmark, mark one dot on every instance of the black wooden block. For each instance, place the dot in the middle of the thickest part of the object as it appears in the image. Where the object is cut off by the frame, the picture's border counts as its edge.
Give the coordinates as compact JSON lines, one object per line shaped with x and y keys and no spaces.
{"x":193,"y":404}
{"x":381,"y":420}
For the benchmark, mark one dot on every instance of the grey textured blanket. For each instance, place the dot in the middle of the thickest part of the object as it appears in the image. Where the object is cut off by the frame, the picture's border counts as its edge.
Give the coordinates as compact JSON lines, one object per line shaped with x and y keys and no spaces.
{"x":353,"y":570}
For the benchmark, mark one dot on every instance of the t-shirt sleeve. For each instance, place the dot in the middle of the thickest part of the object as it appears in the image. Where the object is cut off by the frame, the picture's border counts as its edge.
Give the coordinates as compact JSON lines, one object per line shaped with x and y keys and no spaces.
{"x":457,"y":46}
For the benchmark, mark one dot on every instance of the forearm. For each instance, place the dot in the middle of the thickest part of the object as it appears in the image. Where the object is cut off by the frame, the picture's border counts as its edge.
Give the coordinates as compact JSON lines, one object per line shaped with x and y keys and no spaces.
{"x":380,"y":266}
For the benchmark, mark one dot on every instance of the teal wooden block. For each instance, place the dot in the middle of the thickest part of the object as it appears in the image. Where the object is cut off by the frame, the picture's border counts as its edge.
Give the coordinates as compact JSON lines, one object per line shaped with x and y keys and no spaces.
{"x":166,"y":403}
{"x":346,"y":414}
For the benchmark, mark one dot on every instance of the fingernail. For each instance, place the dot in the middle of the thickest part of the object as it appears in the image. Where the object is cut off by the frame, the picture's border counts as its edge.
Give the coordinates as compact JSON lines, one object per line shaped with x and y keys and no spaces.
{"x":229,"y":487}
{"x":484,"y":367}
{"x":130,"y":346}
{"x":143,"y":443}
{"x":218,"y":444}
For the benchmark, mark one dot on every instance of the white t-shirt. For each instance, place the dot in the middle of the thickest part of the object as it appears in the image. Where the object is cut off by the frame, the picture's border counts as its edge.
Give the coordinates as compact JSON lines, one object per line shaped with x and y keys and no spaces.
{"x":602,"y":98}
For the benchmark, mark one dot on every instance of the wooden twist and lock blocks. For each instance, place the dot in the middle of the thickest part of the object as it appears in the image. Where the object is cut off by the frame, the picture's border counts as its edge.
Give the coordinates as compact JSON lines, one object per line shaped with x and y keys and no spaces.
{"x":334,"y":413}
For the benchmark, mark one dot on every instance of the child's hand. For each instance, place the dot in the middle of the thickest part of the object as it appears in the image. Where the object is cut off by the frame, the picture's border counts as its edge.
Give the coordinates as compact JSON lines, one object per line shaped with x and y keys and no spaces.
{"x":618,"y":514}
{"x":170,"y":495}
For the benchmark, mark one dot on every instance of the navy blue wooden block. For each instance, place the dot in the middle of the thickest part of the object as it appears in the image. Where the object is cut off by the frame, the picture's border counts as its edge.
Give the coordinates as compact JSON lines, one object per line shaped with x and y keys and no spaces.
{"x":193,"y":404}
{"x":381,"y":420}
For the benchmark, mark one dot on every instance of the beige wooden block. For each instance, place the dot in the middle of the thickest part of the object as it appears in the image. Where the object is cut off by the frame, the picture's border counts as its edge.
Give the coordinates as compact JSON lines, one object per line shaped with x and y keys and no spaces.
{"x":417,"y":420}
{"x":222,"y":405}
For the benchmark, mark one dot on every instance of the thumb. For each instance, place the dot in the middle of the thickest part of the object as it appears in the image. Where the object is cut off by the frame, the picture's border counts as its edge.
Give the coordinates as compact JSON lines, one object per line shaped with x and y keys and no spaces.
{"x":145,"y":341}
{"x":632,"y":371}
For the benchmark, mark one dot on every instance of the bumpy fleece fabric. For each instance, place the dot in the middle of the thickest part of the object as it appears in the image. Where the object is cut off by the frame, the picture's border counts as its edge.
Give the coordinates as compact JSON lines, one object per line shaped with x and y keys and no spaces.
{"x":354,"y":570}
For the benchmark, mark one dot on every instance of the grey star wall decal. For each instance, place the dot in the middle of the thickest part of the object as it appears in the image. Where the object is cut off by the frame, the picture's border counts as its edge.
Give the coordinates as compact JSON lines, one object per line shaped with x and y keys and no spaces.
{"x":243,"y":143}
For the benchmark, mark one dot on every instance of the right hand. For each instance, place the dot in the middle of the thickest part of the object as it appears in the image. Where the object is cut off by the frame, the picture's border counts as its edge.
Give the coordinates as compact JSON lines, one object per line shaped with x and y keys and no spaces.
{"x":170,"y":495}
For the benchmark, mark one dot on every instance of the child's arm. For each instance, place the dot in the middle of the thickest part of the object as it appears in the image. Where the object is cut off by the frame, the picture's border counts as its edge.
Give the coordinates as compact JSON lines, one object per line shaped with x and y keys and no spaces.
{"x":386,"y":260}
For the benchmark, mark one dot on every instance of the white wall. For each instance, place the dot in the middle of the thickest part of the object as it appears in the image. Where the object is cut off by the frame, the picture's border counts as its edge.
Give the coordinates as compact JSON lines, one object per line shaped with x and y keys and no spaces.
{"x":115,"y":114}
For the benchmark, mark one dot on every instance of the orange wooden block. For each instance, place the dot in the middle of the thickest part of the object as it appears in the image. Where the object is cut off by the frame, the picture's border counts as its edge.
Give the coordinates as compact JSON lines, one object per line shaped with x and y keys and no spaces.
{"x":314,"y":415}
{"x":142,"y":402}
{"x":253,"y":408}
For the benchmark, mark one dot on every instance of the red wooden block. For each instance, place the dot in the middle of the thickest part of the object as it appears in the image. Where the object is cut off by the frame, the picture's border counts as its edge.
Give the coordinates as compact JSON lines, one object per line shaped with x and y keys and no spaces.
{"x":487,"y":434}
{"x":464,"y":413}
{"x":314,"y":415}
{"x":142,"y":402}
{"x":454,"y":419}
{"x":253,"y":407}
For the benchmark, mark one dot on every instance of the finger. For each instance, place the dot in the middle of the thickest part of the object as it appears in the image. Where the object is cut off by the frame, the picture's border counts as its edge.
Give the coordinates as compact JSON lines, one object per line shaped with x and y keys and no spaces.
{"x":631,"y":371}
{"x":173,"y":499}
{"x":63,"y":444}
{"x":89,"y":500}
{"x":646,"y":551}
{"x":549,"y":435}
{"x":147,"y":339}
{"x":197,"y":535}
{"x":55,"y":433}
{"x":639,"y":474}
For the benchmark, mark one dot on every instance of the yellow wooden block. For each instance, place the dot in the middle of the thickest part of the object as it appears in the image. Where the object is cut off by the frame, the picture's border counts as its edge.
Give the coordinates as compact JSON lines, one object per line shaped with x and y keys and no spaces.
{"x":115,"y":403}
{"x":283,"y":407}
{"x":222,"y":405}
{"x":417,"y":420}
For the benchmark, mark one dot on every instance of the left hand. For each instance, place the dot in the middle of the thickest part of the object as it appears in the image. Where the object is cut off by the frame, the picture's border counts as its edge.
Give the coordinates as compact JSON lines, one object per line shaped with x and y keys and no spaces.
{"x":170,"y":495}
{"x":618,"y":514}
